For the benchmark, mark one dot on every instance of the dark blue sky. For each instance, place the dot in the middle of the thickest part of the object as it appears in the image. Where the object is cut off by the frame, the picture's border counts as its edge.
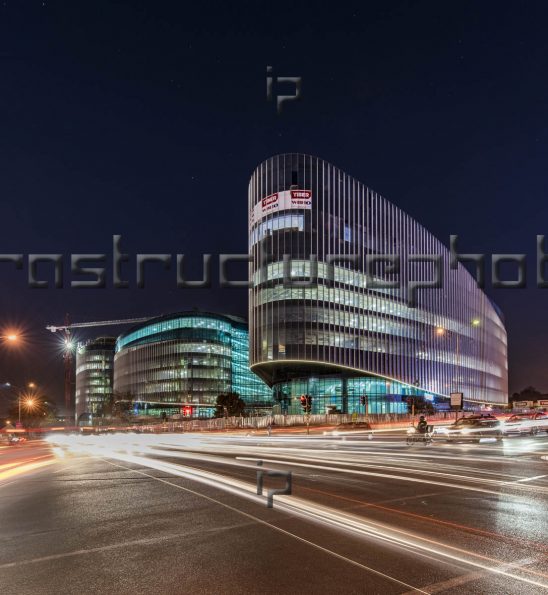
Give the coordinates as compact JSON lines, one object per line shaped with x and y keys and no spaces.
{"x":146,"y":119}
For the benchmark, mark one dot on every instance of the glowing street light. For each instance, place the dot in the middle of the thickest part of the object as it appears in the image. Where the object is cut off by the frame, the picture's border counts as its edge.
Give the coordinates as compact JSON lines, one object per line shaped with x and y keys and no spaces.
{"x":29,"y":403}
{"x":11,"y":336}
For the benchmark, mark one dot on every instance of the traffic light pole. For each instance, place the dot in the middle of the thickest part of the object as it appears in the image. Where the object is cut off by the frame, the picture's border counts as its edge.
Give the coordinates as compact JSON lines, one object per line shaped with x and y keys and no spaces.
{"x":306,"y":404}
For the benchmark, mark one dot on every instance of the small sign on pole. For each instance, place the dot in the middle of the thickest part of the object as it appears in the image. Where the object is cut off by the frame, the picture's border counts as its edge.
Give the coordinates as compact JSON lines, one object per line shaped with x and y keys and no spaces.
{"x":456,"y":401}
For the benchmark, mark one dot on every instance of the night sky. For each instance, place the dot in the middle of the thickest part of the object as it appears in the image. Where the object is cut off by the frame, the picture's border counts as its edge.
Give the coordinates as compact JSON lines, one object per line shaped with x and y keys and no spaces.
{"x":146,"y":119}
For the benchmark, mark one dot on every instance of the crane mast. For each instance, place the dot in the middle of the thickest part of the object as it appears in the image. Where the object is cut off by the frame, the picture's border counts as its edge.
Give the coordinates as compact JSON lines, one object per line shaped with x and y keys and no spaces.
{"x":68,"y":357}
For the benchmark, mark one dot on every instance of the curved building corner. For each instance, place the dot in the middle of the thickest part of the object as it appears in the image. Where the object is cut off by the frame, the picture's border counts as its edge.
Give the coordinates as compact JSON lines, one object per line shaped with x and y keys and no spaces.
{"x":327,"y":331}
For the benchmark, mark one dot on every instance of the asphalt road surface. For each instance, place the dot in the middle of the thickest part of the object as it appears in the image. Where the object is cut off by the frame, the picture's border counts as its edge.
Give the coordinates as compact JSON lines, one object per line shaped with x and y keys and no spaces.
{"x":130,"y":513}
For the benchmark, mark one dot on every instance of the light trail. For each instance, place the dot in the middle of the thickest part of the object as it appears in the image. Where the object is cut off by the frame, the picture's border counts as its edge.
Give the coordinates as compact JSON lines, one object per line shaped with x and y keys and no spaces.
{"x":121,"y":449}
{"x":280,"y":530}
{"x":458,"y":526}
{"x":334,"y":518}
{"x":230,"y":463}
{"x":24,"y":468}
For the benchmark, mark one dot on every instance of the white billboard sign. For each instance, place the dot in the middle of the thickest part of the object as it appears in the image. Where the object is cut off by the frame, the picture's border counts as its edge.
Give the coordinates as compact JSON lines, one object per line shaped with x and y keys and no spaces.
{"x":456,"y":400}
{"x":282,"y":201}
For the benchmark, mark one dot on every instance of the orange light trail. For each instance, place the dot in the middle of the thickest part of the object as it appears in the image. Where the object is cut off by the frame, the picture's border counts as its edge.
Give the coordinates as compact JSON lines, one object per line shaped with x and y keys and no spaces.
{"x":14,"y":469}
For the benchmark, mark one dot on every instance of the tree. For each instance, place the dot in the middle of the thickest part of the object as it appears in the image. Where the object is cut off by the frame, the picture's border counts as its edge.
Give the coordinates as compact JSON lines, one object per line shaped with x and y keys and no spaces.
{"x":529,"y":393}
{"x":229,"y":405}
{"x":421,"y":405}
{"x":118,"y":404}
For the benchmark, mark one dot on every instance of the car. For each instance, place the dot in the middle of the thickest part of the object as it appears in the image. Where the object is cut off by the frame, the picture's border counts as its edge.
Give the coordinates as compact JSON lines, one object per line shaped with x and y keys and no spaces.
{"x":526,"y":423}
{"x":540,"y":422}
{"x":473,"y":428}
{"x":518,"y":424}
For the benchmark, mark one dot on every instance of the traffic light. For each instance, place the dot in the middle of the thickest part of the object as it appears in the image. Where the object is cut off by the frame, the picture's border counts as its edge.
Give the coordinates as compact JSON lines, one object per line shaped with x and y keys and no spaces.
{"x":363,"y":400}
{"x":306,"y":403}
{"x":187,"y":411}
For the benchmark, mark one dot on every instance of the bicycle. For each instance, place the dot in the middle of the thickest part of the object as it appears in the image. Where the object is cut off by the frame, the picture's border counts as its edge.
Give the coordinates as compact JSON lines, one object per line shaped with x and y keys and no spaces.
{"x":425,"y":438}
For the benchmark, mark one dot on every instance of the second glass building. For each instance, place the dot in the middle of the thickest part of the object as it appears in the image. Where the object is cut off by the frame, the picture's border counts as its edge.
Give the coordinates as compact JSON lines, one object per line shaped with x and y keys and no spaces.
{"x":181,"y":363}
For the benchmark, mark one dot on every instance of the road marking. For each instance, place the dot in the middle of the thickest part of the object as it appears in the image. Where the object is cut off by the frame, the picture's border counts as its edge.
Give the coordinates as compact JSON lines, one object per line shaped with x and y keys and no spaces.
{"x":278,"y":529}
{"x":113,"y":546}
{"x":457,"y":581}
{"x":530,"y":478}
{"x":452,"y":582}
{"x":332,"y":517}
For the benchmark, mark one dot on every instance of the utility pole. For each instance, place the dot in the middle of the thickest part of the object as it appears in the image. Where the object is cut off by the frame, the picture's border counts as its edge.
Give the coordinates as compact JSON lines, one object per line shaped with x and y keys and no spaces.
{"x":458,"y":371}
{"x":67,"y":357}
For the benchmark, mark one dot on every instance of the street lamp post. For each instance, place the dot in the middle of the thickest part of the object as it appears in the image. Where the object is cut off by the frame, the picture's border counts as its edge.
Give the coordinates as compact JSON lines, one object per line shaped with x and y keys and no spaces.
{"x":441,"y":332}
{"x":29,"y":400}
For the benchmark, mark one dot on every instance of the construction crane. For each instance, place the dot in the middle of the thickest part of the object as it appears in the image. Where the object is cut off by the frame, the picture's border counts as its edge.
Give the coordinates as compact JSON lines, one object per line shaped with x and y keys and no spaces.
{"x":68,"y":326}
{"x":66,"y":329}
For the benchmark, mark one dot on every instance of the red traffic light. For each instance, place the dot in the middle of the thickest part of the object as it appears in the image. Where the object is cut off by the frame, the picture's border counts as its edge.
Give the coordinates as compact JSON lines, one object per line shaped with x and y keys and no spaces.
{"x":306,"y":403}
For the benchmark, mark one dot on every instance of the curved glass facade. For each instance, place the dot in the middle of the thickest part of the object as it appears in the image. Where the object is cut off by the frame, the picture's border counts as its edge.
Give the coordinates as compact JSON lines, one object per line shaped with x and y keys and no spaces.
{"x":186,"y":360}
{"x":321,"y":327}
{"x":94,"y":375}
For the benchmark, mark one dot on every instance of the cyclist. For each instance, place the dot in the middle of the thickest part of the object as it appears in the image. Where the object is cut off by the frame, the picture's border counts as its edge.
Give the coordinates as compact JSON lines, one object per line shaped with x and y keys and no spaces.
{"x":422,"y":426}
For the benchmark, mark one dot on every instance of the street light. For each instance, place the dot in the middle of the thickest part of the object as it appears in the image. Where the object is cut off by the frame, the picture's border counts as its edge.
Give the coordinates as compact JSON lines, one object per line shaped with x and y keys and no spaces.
{"x":11,"y":337}
{"x":29,"y":404}
{"x":27,"y":400}
{"x":441,"y":331}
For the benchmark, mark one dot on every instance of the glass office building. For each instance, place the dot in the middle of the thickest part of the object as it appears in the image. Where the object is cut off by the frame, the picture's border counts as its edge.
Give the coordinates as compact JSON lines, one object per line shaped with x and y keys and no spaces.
{"x":181,"y":363}
{"x":94,"y":377}
{"x":339,"y":328}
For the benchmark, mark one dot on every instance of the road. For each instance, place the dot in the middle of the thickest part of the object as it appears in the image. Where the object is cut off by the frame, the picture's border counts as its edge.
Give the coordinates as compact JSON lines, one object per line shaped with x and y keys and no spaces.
{"x":170,"y":513}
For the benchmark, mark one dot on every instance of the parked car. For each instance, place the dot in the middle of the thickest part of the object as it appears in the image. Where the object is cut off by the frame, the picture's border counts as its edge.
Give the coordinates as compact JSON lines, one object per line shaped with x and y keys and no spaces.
{"x":473,"y":428}
{"x":526,"y":423}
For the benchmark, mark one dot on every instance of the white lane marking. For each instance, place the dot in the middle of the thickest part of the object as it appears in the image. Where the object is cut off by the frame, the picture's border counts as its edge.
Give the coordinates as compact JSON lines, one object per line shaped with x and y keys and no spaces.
{"x":334,"y":518}
{"x":8,"y":483}
{"x":457,"y":581}
{"x":113,"y":546}
{"x":530,"y":478}
{"x":274,"y":527}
